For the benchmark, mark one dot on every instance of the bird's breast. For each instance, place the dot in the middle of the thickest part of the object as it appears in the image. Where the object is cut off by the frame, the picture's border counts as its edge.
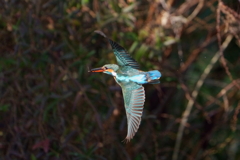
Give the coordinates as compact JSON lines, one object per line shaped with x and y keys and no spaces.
{"x":122,"y":79}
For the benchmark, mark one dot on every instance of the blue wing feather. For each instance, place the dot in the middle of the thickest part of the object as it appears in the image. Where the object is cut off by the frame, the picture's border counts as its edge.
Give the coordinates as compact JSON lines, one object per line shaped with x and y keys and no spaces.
{"x":123,"y":58}
{"x":134,"y":97}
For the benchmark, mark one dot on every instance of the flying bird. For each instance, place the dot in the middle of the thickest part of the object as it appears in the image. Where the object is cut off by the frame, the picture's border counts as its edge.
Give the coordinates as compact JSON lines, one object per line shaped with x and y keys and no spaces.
{"x":128,"y":75}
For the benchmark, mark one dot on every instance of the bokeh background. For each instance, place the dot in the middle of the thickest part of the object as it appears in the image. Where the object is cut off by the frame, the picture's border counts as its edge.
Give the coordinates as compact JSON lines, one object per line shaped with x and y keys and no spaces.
{"x":51,"y":108}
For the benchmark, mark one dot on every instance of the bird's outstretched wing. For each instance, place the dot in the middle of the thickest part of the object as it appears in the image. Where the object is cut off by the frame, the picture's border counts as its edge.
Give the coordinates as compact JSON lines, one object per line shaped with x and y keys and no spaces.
{"x":123,"y":58}
{"x":134,"y":97}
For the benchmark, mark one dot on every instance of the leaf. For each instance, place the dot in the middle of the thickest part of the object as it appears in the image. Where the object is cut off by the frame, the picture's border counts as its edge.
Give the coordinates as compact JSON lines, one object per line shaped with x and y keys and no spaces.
{"x":33,"y":157}
{"x":133,"y":47}
{"x":130,"y":7}
{"x":4,"y":107}
{"x":42,"y":144}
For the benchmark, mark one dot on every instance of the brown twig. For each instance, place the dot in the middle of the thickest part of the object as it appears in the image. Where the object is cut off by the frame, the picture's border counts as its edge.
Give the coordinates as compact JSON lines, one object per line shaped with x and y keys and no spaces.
{"x":223,"y":60}
{"x":195,"y":92}
{"x":222,"y":92}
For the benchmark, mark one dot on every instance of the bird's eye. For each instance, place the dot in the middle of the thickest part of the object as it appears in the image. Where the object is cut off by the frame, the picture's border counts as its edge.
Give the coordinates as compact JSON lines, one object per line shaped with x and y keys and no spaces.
{"x":106,"y":68}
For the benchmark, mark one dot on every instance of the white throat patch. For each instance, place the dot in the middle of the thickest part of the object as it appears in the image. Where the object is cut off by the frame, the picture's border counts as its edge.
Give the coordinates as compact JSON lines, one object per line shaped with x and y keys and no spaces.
{"x":114,"y":73}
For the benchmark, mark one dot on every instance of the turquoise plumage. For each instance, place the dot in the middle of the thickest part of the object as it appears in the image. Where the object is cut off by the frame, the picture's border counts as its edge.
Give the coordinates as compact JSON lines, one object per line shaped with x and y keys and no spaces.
{"x":130,"y":78}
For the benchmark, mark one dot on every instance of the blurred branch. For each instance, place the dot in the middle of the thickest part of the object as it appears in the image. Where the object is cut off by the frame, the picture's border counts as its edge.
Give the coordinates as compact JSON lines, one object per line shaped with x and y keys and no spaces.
{"x":196,"y":52}
{"x":223,"y":60}
{"x":186,"y":6}
{"x":234,"y":119}
{"x":216,"y":148}
{"x":222,"y":92}
{"x":194,"y":96}
{"x":178,"y":31}
{"x":97,"y":116}
{"x":196,"y":11}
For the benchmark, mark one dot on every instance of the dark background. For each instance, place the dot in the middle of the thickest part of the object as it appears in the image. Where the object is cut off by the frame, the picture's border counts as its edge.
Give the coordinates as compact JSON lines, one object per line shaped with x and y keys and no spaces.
{"x":52,"y":108}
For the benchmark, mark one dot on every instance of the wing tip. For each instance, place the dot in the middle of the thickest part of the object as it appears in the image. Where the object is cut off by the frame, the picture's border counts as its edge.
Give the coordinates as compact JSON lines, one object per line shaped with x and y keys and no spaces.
{"x":126,"y":140}
{"x":101,"y":33}
{"x":116,"y":46}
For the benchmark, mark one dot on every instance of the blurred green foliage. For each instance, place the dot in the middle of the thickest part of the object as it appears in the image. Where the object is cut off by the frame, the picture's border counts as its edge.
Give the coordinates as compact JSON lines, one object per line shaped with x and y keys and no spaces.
{"x":52,"y":108}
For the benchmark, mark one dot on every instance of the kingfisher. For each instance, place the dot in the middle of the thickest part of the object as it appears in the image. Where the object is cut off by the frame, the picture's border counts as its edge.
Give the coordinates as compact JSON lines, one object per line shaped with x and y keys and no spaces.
{"x":128,"y":75}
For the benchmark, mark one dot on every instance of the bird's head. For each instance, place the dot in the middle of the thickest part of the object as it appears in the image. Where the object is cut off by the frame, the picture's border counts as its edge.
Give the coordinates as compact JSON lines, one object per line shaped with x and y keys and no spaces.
{"x":107,"y":68}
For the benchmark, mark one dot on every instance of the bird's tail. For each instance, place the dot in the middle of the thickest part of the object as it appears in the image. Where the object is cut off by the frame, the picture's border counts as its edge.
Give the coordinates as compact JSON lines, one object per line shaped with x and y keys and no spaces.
{"x":151,"y":77}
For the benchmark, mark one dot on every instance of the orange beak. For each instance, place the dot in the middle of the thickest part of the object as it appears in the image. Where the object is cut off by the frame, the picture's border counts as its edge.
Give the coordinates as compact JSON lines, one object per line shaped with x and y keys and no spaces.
{"x":97,"y":69}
